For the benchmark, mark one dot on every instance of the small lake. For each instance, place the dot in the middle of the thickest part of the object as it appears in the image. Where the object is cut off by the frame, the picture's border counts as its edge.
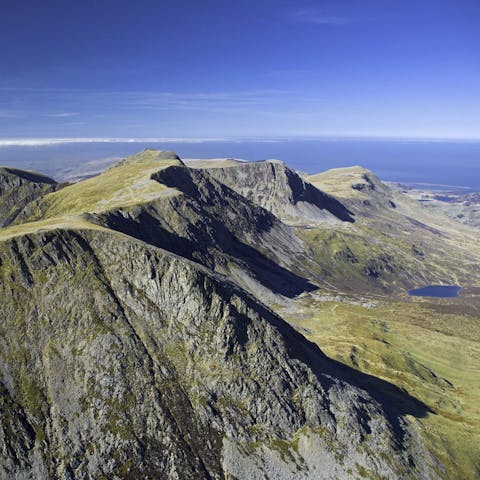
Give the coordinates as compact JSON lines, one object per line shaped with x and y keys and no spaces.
{"x":438,"y":291}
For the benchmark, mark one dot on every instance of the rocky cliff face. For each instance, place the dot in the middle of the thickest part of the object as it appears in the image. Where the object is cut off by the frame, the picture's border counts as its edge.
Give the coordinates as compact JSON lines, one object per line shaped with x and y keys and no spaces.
{"x":120,"y":360}
{"x":210,"y":223}
{"x":17,"y":189}
{"x":282,"y":191}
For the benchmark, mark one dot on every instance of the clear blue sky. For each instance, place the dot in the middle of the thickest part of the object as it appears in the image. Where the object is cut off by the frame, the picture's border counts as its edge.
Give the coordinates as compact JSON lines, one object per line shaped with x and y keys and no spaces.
{"x":152,"y":68}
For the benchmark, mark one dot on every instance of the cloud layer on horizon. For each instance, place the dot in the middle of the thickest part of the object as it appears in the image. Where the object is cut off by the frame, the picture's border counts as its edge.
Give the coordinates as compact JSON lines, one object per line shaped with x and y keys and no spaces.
{"x":45,"y":142}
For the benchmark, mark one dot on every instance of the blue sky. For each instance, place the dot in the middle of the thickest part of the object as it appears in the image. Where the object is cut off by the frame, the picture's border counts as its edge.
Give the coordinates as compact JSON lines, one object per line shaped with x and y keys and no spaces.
{"x":387,"y":68}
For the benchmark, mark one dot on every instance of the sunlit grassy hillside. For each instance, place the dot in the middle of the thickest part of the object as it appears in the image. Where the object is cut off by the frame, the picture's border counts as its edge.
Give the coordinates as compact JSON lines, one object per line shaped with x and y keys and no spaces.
{"x":124,"y":184}
{"x":431,"y":349}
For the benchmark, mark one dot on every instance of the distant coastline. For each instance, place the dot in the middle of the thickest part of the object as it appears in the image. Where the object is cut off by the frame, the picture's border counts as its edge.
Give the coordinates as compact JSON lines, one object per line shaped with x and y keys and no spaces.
{"x":429,"y":163}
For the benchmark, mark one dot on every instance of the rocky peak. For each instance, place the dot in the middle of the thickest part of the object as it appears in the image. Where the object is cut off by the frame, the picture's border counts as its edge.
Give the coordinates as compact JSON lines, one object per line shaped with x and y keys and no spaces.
{"x":14,"y":176}
{"x":279,"y":189}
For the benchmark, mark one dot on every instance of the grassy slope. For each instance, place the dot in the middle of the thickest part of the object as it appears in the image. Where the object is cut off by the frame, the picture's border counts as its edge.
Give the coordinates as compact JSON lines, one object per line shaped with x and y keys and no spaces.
{"x":431,"y":348}
{"x":69,"y":222}
{"x":125,"y":184}
{"x":344,"y":255}
{"x":408,"y":217}
{"x":424,"y":247}
{"x":434,"y":356}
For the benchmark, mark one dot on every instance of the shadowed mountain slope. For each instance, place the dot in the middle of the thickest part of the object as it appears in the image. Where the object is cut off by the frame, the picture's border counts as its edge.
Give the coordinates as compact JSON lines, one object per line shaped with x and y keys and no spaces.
{"x":280,"y":190}
{"x":17,"y":189}
{"x":154,"y":197}
{"x":209,"y":223}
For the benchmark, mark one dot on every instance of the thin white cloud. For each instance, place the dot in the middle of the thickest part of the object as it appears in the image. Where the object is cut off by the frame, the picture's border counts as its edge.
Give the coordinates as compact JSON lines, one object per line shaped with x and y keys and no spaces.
{"x":45,"y":142}
{"x":207,"y":101}
{"x":61,"y":115}
{"x":153,"y":100}
{"x":321,"y":17}
{"x":146,"y":104}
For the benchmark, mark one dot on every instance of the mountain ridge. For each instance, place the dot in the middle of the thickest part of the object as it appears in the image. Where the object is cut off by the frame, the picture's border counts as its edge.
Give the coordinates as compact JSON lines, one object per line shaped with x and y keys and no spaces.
{"x":282,"y":191}
{"x":175,"y":310}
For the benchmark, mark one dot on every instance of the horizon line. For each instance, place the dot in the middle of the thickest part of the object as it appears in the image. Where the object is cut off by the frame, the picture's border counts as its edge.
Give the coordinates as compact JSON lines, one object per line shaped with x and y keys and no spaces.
{"x":52,"y":141}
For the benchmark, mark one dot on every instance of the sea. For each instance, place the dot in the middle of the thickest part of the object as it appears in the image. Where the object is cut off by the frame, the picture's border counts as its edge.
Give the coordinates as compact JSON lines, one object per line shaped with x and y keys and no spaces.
{"x":432,"y":164}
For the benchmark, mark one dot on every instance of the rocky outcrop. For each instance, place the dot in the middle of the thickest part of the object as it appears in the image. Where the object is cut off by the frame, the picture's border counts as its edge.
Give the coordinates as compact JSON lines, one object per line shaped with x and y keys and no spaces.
{"x":121,"y":360}
{"x":17,"y":189}
{"x":211,"y":224}
{"x":277,"y":188}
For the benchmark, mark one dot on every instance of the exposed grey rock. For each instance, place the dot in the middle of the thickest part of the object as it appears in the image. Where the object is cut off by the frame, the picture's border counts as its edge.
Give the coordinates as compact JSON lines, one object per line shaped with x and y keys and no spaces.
{"x":121,"y":360}
{"x":17,"y":189}
{"x":282,"y":191}
{"x":212,"y":224}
